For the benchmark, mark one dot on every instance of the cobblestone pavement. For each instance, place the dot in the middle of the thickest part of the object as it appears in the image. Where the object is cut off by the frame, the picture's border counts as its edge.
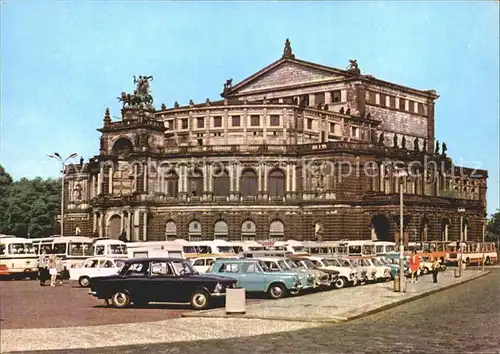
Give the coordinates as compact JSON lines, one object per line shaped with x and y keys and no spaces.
{"x":464,"y":319}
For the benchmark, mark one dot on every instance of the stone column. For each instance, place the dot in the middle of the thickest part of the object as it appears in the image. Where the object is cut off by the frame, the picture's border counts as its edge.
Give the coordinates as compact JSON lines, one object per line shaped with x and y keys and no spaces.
{"x":129,"y":236}
{"x":101,"y":224}
{"x":294,"y":178}
{"x":205,"y":177}
{"x":145,"y":226}
{"x":238,"y":177}
{"x":135,"y":178}
{"x":136,"y":222}
{"x":122,"y":221}
{"x":92,"y":188}
{"x":328,"y":97}
{"x":94,"y":222}
{"x":110,"y":181}
{"x":99,"y":180}
{"x":259,"y":182}
{"x":210,"y":180}
{"x":145,"y":177}
{"x":288,"y":181}
{"x":265,"y":177}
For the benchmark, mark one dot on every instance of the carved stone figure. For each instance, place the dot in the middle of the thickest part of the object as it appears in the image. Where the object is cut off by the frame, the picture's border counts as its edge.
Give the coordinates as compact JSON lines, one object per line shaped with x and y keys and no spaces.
{"x":353,"y":66}
{"x":348,"y":111}
{"x":381,"y":138}
{"x":415,"y":145}
{"x":403,"y":142}
{"x":141,"y":95}
{"x":395,"y":140}
{"x":287,"y":51}
{"x":341,"y":110}
{"x":437,"y":147}
{"x":445,"y":148}
{"x":424,"y":147}
{"x":78,"y":192}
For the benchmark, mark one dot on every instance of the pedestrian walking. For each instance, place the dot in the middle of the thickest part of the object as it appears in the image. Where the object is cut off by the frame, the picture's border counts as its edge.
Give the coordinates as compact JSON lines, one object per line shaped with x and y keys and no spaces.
{"x":435,"y":270}
{"x":414,"y":266}
{"x":59,"y":269}
{"x":43,"y":269}
{"x":53,"y":269}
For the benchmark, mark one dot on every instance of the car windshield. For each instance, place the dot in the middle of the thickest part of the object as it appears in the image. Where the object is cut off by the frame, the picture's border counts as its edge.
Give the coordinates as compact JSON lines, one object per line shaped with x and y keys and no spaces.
{"x":352,"y":262}
{"x":298,"y":248}
{"x":190,"y":249}
{"x":117,"y":249}
{"x":376,"y":262}
{"x":226,"y":249}
{"x":264,"y":267}
{"x":329,"y":262}
{"x":343,"y":263}
{"x":183,"y":267}
{"x":283,"y":266}
{"x":290,"y":264}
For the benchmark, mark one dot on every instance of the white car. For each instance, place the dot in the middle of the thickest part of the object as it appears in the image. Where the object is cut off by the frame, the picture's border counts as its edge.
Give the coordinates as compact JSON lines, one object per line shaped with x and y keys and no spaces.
{"x":95,"y":267}
{"x":365,"y":273}
{"x":382,"y":272}
{"x":201,"y":264}
{"x":347,"y":275}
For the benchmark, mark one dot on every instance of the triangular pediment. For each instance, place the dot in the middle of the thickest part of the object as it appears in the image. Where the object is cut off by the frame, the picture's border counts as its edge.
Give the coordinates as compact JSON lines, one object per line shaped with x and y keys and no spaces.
{"x":286,"y":73}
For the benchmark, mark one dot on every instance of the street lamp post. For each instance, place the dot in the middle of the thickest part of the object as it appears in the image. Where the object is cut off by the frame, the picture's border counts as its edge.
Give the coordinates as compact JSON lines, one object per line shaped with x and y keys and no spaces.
{"x":460,"y":260}
{"x":483,"y":246}
{"x":63,"y":174}
{"x":401,"y":174}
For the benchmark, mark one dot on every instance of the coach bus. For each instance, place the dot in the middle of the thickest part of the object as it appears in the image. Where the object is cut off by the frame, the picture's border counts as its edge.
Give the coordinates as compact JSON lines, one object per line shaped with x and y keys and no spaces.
{"x":17,"y":257}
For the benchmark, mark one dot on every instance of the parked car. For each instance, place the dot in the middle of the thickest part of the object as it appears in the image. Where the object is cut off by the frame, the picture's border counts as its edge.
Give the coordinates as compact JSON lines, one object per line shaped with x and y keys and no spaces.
{"x":255,"y":276}
{"x":94,"y":267}
{"x":322,"y":279}
{"x":394,"y":267}
{"x":382,"y":272}
{"x":201,"y":264}
{"x":144,"y":280}
{"x":278,"y":264}
{"x":363,"y":273}
{"x":347,"y":274}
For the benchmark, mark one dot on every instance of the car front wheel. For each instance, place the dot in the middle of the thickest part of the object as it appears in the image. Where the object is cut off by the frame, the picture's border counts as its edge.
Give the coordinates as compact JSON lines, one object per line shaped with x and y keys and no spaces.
{"x":341,"y":283}
{"x":276,"y":291}
{"x":199,"y":300}
{"x":120,"y":299}
{"x":84,"y":282}
{"x":425,"y":271}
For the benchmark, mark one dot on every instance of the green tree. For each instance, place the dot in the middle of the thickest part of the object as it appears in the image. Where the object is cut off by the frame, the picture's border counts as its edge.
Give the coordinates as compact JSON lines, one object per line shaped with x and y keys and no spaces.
{"x":5,"y":183}
{"x":31,"y":206}
{"x":493,"y":226}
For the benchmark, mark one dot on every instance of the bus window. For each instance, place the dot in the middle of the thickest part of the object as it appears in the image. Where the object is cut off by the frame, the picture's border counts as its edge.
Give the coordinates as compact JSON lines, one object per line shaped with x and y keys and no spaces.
{"x":60,"y":248}
{"x":354,"y":249}
{"x":99,"y":250}
{"x":75,"y":249}
{"x":87,"y":250}
{"x":2,"y":249}
{"x":47,"y":248}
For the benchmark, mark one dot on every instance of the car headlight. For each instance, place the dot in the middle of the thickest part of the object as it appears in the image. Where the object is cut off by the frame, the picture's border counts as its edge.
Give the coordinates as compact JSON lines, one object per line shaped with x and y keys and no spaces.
{"x":310,"y":277}
{"x":218,"y":288}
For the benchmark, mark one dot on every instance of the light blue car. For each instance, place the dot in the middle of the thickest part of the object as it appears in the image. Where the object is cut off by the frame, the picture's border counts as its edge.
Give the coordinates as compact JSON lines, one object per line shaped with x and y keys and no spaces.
{"x":254,"y":276}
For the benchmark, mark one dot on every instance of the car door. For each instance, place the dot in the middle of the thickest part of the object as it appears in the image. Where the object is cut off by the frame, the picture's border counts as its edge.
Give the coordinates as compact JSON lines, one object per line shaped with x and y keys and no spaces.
{"x":106,"y":267}
{"x":251,"y":276}
{"x":159,"y":281}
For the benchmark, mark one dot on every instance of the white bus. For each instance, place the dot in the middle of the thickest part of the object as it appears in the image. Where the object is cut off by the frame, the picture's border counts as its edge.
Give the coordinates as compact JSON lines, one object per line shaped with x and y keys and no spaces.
{"x":170,"y":249}
{"x":73,"y":250}
{"x":18,"y":257}
{"x":105,"y":247}
{"x":215,"y":247}
{"x":355,"y":247}
{"x":246,"y":246}
{"x":384,"y":247}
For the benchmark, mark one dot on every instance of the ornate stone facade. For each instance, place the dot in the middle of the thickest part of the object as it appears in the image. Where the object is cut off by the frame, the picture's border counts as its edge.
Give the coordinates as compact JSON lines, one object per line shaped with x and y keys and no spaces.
{"x":296,"y":151}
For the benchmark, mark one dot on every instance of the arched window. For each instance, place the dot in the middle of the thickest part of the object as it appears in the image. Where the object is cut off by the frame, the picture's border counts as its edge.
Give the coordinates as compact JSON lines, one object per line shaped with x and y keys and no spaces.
{"x":170,"y":230}
{"x":194,"y":230}
{"x":249,"y":184}
{"x":381,"y":228}
{"x":276,"y":187}
{"x":248,"y":230}
{"x":276,"y":230}
{"x":122,"y":146}
{"x":195,"y":187}
{"x":171,"y":184}
{"x":221,"y":183}
{"x":114,"y":224}
{"x":221,"y":231}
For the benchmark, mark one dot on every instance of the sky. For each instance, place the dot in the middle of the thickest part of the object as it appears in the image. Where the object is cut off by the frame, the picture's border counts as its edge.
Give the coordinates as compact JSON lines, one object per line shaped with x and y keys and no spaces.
{"x":63,"y":63}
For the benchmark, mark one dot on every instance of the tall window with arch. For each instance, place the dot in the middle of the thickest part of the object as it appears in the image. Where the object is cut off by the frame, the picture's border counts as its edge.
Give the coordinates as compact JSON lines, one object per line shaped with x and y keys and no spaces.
{"x":276,"y":186}
{"x":194,"y":230}
{"x":195,"y":182}
{"x":170,"y":230}
{"x":171,"y":184}
{"x":249,"y":183}
{"x":276,"y":230}
{"x":248,"y":230}
{"x":221,"y":182}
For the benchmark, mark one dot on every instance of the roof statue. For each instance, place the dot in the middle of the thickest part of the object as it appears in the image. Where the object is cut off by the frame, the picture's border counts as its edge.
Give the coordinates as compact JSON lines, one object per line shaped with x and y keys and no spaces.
{"x":287,"y":51}
{"x":445,"y":148}
{"x":141,"y":98}
{"x":227,"y":86}
{"x":353,"y":67}
{"x":437,"y":148}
